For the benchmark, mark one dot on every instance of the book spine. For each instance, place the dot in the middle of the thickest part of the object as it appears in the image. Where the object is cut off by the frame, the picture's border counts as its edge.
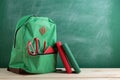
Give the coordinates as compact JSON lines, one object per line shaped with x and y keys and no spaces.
{"x":71,"y":58}
{"x":63,"y":57}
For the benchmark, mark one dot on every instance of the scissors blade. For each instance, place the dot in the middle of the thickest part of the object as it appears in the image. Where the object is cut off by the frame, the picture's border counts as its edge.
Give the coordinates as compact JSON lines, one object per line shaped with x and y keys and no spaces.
{"x":37,"y":45}
{"x":44,"y":46}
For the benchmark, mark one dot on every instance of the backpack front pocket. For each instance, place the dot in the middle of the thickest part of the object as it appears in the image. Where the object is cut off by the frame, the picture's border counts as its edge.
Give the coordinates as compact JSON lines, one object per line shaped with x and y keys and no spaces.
{"x":40,"y":63}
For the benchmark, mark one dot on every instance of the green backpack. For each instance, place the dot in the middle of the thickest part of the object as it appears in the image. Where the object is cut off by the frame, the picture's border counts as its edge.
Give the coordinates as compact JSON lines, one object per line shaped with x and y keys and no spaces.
{"x":33,"y":36}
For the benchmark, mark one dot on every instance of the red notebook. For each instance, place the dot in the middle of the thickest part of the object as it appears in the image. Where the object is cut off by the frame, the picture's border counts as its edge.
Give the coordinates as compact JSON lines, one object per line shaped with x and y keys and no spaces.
{"x":63,"y":57}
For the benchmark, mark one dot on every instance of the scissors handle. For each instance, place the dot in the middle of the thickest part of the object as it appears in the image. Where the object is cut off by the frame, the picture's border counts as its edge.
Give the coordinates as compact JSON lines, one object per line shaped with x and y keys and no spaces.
{"x":28,"y":47}
{"x":33,"y":52}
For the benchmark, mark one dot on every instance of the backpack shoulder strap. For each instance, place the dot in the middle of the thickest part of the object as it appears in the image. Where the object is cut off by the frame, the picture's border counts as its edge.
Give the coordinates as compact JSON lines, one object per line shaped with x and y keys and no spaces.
{"x":20,"y":23}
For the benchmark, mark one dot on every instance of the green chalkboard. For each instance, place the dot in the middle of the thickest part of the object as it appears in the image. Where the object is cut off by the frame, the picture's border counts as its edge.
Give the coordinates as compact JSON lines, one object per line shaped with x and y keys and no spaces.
{"x":90,"y":27}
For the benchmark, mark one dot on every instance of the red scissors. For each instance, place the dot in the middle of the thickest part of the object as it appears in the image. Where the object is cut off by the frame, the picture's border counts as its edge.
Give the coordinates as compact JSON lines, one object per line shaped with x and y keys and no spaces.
{"x":33,"y":52}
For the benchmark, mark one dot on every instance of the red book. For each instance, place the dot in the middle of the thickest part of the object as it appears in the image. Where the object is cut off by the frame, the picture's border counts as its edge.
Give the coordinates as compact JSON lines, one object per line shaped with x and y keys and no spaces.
{"x":63,"y":57}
